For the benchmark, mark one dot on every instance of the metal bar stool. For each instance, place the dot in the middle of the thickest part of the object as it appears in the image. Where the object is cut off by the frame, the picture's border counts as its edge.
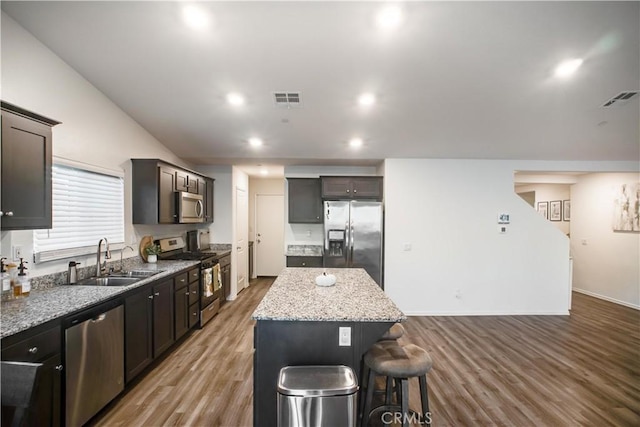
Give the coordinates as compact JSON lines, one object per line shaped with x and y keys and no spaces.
{"x":399,"y":363}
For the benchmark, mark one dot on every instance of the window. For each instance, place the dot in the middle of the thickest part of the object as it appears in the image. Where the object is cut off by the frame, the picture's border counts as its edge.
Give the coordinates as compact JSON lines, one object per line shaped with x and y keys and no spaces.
{"x":87,"y":206}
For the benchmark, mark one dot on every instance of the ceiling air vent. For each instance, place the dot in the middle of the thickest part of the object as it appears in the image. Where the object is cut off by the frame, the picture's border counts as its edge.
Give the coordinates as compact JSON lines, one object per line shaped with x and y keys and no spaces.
{"x":287,"y":99}
{"x":621,"y":98}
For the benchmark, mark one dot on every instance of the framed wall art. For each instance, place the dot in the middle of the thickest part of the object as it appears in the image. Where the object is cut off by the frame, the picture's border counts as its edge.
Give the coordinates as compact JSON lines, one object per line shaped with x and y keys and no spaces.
{"x":566,"y":210}
{"x":543,"y":209}
{"x":626,"y":207}
{"x":555,"y":210}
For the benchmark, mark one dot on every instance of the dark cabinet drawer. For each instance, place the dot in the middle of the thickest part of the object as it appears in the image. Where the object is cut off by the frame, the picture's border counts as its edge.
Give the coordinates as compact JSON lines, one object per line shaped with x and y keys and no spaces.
{"x":194,"y":313}
{"x":304,"y":261}
{"x":181,"y":281}
{"x":194,"y":275}
{"x":194,"y":289}
{"x":36,"y":348}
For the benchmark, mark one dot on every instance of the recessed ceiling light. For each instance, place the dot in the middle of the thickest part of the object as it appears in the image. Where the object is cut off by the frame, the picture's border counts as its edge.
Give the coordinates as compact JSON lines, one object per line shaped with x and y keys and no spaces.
{"x":355,"y":143}
{"x":264,"y":171}
{"x":194,"y":17}
{"x":567,"y":68}
{"x":366,"y":99}
{"x":255,"y":142}
{"x":389,"y":17}
{"x":235,"y":99}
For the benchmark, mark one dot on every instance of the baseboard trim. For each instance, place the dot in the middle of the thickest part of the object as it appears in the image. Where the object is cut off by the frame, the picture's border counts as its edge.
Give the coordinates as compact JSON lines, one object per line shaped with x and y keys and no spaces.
{"x":457,"y":314}
{"x":606,"y":298}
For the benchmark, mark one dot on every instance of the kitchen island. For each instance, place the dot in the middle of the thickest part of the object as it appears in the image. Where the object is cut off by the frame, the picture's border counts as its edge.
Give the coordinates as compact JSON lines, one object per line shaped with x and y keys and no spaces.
{"x":298,"y":323}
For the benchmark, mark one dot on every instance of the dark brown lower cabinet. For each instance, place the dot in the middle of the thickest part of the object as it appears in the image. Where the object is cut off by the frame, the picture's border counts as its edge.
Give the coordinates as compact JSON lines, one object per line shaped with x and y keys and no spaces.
{"x":304,"y":261}
{"x":149,"y":324}
{"x":181,"y":306}
{"x":44,"y":347}
{"x":138,"y":320}
{"x":162,"y":317}
{"x":225,"y":272}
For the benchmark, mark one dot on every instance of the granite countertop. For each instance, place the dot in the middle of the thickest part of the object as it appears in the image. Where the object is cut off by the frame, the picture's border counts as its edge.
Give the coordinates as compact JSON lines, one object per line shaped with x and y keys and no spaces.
{"x":43,"y":305}
{"x":304,"y":250}
{"x":355,"y":297}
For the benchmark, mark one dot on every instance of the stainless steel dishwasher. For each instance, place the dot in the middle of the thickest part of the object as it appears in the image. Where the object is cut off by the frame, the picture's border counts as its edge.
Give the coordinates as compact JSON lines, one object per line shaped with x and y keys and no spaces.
{"x":94,"y":355}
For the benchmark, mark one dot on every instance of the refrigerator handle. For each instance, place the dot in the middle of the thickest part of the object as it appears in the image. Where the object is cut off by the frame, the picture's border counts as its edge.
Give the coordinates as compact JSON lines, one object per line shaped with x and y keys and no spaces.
{"x":347,"y":243}
{"x":351,"y":245}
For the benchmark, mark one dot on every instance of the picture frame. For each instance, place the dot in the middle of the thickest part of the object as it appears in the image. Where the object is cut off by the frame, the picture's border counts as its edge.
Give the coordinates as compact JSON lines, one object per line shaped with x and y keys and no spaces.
{"x":555,"y":210}
{"x":566,"y":210}
{"x":543,"y":209}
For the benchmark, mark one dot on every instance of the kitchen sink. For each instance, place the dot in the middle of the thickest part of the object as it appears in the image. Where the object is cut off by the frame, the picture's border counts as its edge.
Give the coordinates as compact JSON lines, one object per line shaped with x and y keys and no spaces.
{"x":109,"y":281}
{"x":120,"y":278}
{"x":141,"y":274}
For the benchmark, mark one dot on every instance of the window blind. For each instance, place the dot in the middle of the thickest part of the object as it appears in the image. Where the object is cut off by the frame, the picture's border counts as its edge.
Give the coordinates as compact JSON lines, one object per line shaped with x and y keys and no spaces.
{"x":87,"y":206}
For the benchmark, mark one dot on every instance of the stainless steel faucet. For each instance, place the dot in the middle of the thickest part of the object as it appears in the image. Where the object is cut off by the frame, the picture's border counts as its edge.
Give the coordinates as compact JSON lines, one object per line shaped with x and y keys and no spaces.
{"x":121,"y":252}
{"x":102,"y":267}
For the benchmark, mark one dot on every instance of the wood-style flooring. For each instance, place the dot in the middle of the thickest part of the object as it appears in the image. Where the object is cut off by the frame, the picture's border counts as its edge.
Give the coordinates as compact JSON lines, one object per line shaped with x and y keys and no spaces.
{"x":582,"y":369}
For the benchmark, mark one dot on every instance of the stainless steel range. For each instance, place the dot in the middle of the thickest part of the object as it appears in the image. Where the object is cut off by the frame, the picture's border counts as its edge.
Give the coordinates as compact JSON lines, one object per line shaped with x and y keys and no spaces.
{"x":174,"y":248}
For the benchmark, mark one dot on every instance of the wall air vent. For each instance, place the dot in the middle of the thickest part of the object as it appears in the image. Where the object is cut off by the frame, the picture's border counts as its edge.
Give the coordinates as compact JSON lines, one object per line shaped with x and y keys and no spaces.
{"x":621,"y":98}
{"x":287,"y":99}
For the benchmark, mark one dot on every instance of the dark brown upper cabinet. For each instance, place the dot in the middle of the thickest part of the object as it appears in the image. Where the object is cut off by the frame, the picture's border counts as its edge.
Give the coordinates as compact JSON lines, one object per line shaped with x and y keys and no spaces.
{"x":154,"y":187}
{"x":305,"y":202}
{"x":26,"y":169}
{"x":351,"y":187}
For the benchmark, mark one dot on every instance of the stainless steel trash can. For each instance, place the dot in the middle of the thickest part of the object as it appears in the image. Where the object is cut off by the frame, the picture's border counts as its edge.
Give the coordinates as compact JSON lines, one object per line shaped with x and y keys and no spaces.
{"x":317,"y":396}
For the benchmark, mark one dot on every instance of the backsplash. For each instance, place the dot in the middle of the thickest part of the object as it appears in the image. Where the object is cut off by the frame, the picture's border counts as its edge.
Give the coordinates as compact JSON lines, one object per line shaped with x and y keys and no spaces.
{"x":60,"y":278}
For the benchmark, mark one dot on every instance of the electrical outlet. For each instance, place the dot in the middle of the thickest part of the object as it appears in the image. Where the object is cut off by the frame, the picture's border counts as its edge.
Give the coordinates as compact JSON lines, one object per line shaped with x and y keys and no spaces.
{"x":17,"y":253}
{"x":344,"y":337}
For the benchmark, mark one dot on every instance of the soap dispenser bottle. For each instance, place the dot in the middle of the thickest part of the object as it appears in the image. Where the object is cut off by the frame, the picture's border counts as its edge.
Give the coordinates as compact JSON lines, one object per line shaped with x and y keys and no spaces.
{"x":72,"y":273}
{"x":23,"y":278}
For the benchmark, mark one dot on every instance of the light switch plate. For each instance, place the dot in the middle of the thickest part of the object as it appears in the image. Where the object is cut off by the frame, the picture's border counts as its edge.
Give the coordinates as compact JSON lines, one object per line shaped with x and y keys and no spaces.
{"x":344,"y":339}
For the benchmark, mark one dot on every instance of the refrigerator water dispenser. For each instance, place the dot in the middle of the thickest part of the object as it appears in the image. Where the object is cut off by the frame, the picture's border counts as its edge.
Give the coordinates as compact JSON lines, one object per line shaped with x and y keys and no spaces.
{"x":336,"y":242}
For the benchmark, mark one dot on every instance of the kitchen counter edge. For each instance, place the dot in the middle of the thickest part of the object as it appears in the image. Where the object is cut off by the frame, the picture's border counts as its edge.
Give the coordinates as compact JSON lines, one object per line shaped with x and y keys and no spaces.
{"x":46,"y":305}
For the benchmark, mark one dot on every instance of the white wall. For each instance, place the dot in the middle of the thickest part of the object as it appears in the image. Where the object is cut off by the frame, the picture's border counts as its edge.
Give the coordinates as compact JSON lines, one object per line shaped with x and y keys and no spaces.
{"x":459,"y":263}
{"x":94,"y":131}
{"x":605,"y":263}
{"x":312,"y":234}
{"x":222,"y":227}
{"x":549,"y":193}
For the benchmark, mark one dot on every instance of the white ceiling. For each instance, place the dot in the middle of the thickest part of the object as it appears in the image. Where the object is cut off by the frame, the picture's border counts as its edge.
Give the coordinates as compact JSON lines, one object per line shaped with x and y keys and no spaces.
{"x":456,"y":80}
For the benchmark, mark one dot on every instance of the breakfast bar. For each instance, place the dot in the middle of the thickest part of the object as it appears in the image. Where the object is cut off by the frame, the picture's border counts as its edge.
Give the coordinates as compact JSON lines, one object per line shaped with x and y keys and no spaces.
{"x":299,"y":323}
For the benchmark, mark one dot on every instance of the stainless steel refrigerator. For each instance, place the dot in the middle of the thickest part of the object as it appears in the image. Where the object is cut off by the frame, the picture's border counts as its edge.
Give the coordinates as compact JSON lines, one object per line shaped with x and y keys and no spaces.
{"x":353,"y":236}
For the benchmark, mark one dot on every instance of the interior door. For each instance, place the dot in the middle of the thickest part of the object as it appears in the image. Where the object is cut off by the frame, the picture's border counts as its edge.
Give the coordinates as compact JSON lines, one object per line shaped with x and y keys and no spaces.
{"x":241,"y":244}
{"x":269,"y":242}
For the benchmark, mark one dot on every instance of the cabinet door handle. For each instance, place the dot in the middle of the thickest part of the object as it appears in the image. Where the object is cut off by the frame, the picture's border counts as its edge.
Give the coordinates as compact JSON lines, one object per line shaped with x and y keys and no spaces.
{"x":304,"y":263}
{"x":355,"y":191}
{"x":10,"y":213}
{"x":187,"y":293}
{"x":157,"y":294}
{"x":33,"y":350}
{"x":59,"y":368}
{"x":193,"y":292}
{"x":347,"y":191}
{"x":181,"y":280}
{"x":150,"y":297}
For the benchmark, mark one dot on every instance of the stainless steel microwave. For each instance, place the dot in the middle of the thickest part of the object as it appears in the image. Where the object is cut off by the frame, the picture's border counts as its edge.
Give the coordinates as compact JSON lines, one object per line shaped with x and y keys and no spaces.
{"x":190,"y":207}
